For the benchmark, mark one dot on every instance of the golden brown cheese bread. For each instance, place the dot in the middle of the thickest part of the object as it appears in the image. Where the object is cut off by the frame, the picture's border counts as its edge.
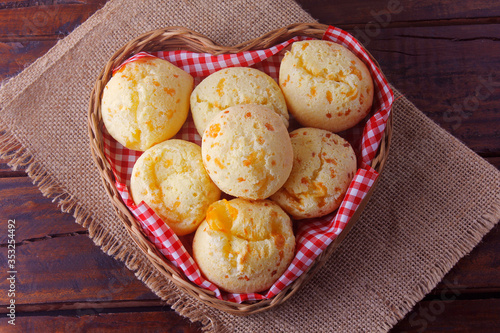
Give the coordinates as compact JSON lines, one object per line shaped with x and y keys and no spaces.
{"x":323,"y":167}
{"x":170,"y":178}
{"x":325,"y":85}
{"x":146,"y":102}
{"x":247,"y":151}
{"x":233,"y":86}
{"x":244,"y":246}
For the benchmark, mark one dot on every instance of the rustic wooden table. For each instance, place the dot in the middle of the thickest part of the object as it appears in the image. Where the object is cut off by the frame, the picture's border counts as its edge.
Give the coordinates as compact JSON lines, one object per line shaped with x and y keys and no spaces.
{"x":443,"y":55}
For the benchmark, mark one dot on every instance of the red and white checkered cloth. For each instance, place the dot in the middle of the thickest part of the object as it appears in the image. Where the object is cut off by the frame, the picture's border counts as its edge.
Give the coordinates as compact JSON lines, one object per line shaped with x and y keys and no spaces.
{"x":313,"y":235}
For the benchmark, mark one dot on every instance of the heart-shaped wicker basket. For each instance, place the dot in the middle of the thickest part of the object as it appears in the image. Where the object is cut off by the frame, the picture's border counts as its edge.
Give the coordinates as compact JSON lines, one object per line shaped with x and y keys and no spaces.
{"x":178,"y":38}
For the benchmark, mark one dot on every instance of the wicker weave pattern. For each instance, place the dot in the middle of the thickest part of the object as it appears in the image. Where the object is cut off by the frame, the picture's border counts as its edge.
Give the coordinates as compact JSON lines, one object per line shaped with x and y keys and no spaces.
{"x":180,"y":38}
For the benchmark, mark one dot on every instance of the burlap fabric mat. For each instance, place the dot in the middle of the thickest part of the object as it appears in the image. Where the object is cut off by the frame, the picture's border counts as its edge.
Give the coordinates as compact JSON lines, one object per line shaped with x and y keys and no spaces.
{"x":435,"y":201}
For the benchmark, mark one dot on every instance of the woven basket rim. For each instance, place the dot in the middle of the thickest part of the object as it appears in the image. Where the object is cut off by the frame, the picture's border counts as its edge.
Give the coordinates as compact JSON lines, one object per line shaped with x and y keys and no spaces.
{"x":182,"y":38}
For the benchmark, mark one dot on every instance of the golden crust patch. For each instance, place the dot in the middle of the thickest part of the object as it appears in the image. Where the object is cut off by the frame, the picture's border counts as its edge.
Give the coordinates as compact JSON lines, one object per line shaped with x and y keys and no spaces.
{"x":140,"y":99}
{"x":322,"y":81}
{"x":171,"y":179}
{"x":323,"y":163}
{"x":244,"y":246}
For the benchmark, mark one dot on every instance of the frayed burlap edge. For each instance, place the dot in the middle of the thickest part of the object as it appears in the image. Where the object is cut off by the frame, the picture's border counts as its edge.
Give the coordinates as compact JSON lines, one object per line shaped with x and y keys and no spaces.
{"x":17,"y":157}
{"x":35,"y":70}
{"x":20,"y":157}
{"x":480,"y":228}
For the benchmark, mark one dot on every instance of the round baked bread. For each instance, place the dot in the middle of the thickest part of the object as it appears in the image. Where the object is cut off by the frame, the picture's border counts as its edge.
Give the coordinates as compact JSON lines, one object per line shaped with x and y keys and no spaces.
{"x":247,"y":151}
{"x":323,"y":167}
{"x":170,"y":178}
{"x":146,"y":102}
{"x":233,"y":86}
{"x":325,"y":85}
{"x":244,"y":246}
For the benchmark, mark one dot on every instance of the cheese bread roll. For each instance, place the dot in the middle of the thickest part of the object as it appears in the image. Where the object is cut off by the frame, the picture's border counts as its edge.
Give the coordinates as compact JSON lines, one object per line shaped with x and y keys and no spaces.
{"x":247,"y":151}
{"x":146,"y":102}
{"x":171,"y":180}
{"x":244,"y":246}
{"x":233,"y":86}
{"x":323,"y":167}
{"x":325,"y":85}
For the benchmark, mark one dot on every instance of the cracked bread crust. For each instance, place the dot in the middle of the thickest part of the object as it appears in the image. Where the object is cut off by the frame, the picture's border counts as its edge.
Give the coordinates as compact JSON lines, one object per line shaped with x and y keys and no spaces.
{"x":171,"y":180}
{"x":325,"y":85}
{"x":247,"y":151}
{"x":244,"y":246}
{"x":233,"y":86}
{"x":323,"y":167}
{"x":146,"y":102}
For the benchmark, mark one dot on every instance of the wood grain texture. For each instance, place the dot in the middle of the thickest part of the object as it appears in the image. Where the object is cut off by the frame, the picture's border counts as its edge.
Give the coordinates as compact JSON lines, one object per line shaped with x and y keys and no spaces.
{"x":450,"y":73}
{"x":452,"y":316}
{"x":478,"y":272}
{"x":429,"y":316}
{"x":347,"y":14}
{"x":16,"y":56}
{"x":41,"y":228}
{"x":148,"y":320}
{"x":66,"y":270}
{"x":39,"y":20}
{"x":494,"y":160}
{"x":6,"y":171}
{"x":36,"y":216}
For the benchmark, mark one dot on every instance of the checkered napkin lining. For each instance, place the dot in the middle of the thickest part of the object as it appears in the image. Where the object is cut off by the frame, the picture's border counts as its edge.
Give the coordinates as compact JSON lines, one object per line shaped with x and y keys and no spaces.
{"x":313,"y":235}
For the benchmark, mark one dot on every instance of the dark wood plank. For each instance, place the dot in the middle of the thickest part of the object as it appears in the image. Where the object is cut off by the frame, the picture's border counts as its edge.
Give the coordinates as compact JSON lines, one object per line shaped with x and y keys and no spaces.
{"x":36,"y":216}
{"x":49,"y":277}
{"x":451,"y":74}
{"x":68,"y":271}
{"x":46,"y":19}
{"x":87,"y":307}
{"x":494,"y":161}
{"x":10,"y":4}
{"x":154,"y":320}
{"x":477,"y":272}
{"x":6,"y":170}
{"x":58,"y":266}
{"x":16,"y":56}
{"x":448,"y":315}
{"x":429,"y":316}
{"x":38,"y":18}
{"x":399,"y":12}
